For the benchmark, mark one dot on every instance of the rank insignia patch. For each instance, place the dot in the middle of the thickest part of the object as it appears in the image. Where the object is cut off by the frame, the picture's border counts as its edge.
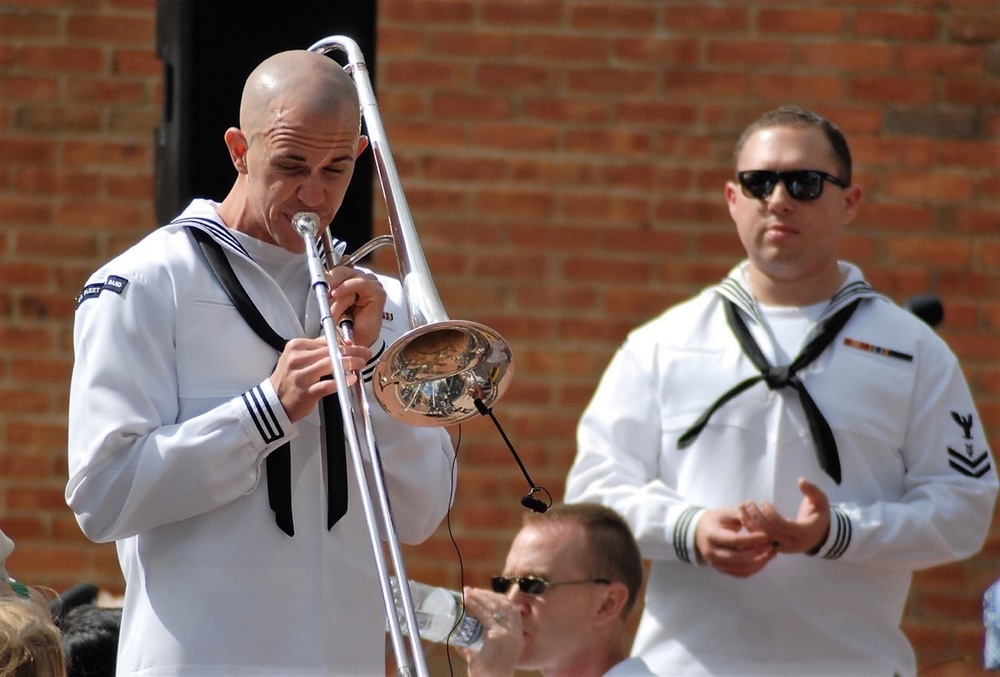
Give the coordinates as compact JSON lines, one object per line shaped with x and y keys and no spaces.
{"x":968,"y":462}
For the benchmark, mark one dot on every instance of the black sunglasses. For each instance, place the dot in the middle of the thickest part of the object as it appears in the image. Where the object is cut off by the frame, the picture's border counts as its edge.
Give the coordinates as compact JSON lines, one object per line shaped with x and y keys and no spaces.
{"x":802,"y":184}
{"x":533,"y":585}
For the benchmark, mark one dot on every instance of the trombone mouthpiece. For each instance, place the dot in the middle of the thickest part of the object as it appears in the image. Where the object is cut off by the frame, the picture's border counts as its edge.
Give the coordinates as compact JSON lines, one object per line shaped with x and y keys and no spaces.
{"x":305,"y":223}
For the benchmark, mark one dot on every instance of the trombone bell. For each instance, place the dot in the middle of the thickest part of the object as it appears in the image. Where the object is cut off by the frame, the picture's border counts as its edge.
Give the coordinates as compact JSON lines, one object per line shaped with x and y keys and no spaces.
{"x":434,"y":374}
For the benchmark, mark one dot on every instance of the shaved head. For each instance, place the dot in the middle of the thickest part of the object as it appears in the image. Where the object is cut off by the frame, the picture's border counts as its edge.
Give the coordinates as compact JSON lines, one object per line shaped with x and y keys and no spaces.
{"x":299,"y":80}
{"x":296,"y":146}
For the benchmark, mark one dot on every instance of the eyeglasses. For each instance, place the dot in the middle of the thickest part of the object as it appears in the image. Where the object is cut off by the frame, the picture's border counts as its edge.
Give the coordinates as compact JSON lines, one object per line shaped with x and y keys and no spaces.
{"x":802,"y":184}
{"x":533,"y":585}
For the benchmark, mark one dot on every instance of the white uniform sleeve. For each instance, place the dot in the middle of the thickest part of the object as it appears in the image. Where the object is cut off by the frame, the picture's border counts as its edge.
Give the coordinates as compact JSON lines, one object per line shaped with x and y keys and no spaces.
{"x":617,"y":462}
{"x":132,"y":466}
{"x":948,"y":484}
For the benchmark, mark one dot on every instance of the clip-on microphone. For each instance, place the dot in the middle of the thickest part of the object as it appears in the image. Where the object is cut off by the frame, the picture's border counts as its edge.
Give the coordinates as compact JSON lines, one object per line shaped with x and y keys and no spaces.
{"x":528,"y":500}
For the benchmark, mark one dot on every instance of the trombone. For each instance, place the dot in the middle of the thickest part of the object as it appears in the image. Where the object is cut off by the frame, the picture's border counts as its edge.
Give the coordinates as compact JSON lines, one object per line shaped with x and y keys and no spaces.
{"x":438,"y":373}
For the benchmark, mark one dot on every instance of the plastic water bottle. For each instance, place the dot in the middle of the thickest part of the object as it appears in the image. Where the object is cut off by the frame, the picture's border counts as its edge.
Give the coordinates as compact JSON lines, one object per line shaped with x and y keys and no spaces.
{"x":438,"y":610}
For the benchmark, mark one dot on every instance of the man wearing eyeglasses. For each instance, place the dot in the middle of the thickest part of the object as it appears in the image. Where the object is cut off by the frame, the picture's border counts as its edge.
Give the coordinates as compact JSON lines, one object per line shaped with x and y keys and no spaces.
{"x":789,"y":446}
{"x":572,"y":576}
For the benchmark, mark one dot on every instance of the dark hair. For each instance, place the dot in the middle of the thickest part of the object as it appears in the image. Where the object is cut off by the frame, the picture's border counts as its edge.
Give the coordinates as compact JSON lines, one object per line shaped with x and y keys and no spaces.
{"x":90,"y":640}
{"x":611,"y":548}
{"x":796,"y":116}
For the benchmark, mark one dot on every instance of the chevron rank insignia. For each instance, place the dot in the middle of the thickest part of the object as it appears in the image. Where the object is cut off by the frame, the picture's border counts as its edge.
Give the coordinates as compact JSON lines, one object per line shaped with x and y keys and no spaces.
{"x":968,"y":462}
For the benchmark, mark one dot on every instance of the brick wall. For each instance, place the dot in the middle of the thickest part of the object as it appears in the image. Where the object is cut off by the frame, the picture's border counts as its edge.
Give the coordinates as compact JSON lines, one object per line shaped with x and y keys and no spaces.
{"x":564,"y":162}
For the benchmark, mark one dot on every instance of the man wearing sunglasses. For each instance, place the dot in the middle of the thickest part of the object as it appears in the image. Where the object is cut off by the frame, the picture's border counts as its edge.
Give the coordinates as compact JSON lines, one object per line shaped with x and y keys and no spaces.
{"x":572,"y":576}
{"x":789,"y":446}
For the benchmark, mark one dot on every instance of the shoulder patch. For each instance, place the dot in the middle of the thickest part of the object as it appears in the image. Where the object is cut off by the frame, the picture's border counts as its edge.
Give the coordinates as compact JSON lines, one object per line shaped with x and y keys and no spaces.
{"x":114,"y":283}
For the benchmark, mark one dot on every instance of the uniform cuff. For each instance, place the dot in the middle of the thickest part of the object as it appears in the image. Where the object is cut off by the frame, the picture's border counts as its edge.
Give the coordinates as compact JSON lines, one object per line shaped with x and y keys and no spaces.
{"x":839,"y":538}
{"x":263,"y":417}
{"x":378,"y":349}
{"x":683,"y":535}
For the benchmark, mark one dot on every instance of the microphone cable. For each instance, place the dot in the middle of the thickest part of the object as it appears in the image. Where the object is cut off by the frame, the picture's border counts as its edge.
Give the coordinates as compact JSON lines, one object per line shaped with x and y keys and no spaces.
{"x":528,"y":500}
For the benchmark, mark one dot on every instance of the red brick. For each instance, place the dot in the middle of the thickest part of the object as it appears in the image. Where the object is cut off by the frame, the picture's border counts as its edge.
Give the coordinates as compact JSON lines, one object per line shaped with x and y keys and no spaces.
{"x":54,"y":181}
{"x":16,"y":89}
{"x":135,"y":185}
{"x":51,"y":120}
{"x":705,"y":84}
{"x":64,"y":60}
{"x":898,"y":89}
{"x":415,"y":12}
{"x":845,"y":56}
{"x":115,"y":30}
{"x":602,"y":80}
{"x":110,"y":153}
{"x":424,"y":72}
{"x":136,"y":62}
{"x":879,"y":217}
{"x":576,"y":49}
{"x":461,"y":104}
{"x":106,"y":91}
{"x":24,"y":211}
{"x":111,"y":216}
{"x":665,"y":51}
{"x":910,"y":152}
{"x":521,"y":77}
{"x":811,"y":89}
{"x":622,"y":143}
{"x":941,"y":59}
{"x":515,"y":203}
{"x":24,"y":434}
{"x":28,"y":25}
{"x":636,"y":176}
{"x":23,"y":274}
{"x":896,"y":25}
{"x":618,"y":16}
{"x":928,"y":185}
{"x":24,"y":401}
{"x":970,"y":154}
{"x":566,"y":110}
{"x":514,"y":137}
{"x":972,"y":91}
{"x":696,"y":17}
{"x":522,"y":12}
{"x":749,"y":53}
{"x":494,"y":45}
{"x":443,"y":166}
{"x":979,"y":222}
{"x":801,"y":22}
{"x":977,"y":27}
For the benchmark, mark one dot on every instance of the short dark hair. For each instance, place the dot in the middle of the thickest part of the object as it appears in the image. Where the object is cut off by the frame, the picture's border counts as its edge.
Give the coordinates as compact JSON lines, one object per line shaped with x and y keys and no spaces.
{"x":611,"y":548}
{"x":90,"y":640}
{"x":796,"y":116}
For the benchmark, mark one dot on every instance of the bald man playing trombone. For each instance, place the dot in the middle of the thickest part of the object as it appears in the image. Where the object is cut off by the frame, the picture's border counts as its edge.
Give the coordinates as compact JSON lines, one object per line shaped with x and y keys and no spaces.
{"x":200,"y":443}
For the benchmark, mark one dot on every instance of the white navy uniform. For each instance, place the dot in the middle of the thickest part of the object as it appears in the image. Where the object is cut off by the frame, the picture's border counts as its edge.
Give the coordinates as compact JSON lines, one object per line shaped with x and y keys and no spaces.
{"x":171,"y":417}
{"x":918,"y":484}
{"x":630,"y":667}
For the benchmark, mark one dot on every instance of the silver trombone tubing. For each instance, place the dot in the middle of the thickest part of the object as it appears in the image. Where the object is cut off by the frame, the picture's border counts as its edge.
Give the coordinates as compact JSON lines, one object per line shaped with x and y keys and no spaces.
{"x":356,"y":414}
